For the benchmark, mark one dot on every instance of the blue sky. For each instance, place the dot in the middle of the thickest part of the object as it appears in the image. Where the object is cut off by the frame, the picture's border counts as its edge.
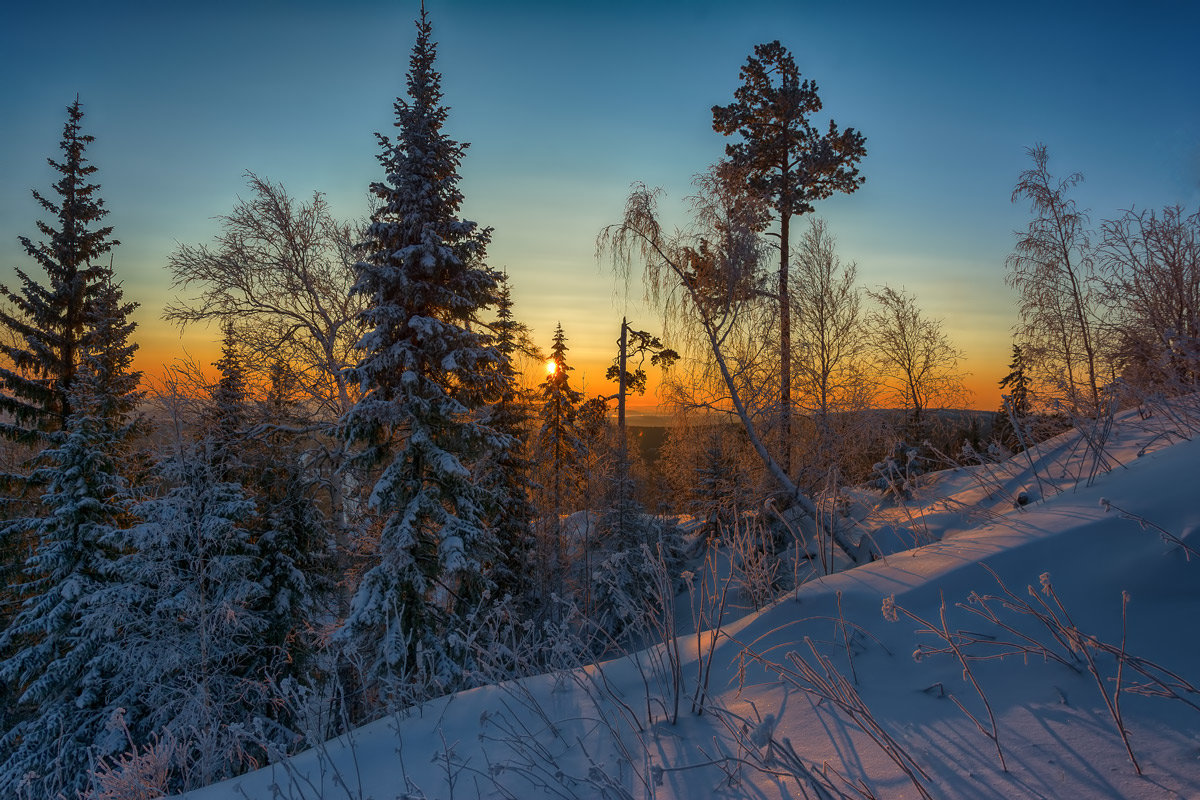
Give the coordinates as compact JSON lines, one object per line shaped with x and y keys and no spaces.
{"x":566,"y":104}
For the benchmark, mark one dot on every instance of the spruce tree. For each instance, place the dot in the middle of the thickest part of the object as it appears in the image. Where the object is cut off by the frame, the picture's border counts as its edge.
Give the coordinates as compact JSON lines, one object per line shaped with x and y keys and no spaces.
{"x":716,"y":486}
{"x":193,"y":630}
{"x":291,"y":536}
{"x":1017,"y":406}
{"x":559,"y":449}
{"x":212,"y":613}
{"x":423,"y":372}
{"x":60,"y":645}
{"x":48,"y":312}
{"x":254,"y":445}
{"x":1017,"y":384}
{"x":227,"y":410}
{"x":557,"y":442}
{"x":507,"y":473}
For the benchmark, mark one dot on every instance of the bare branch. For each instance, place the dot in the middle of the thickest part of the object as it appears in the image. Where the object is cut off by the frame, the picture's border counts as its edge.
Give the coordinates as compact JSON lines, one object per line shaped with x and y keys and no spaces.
{"x":279,"y":271}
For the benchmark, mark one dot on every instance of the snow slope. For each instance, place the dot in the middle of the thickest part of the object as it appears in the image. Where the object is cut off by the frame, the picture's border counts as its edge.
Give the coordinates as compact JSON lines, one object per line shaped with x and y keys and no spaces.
{"x":818,"y":695}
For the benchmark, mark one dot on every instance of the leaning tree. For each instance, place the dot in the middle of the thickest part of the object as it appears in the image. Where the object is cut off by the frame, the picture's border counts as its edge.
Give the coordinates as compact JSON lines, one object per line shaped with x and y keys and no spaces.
{"x":704,"y":277}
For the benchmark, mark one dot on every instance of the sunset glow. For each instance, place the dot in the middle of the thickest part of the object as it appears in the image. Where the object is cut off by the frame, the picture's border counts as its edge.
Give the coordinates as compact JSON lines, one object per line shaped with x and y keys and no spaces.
{"x":934,"y":215}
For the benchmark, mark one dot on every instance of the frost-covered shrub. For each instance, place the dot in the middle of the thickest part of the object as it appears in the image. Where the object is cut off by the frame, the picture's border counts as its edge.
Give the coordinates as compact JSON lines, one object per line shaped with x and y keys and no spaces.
{"x":896,"y":474}
{"x":625,"y":574}
{"x":752,"y":551}
{"x":141,"y":773}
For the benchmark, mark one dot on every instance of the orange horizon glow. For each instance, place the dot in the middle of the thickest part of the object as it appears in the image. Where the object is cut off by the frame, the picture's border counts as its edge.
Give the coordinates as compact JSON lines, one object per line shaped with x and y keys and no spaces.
{"x":162,"y":350}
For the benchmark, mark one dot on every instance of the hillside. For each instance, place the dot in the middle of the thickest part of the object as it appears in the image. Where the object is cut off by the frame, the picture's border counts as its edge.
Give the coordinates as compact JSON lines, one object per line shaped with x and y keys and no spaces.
{"x":820,"y":695}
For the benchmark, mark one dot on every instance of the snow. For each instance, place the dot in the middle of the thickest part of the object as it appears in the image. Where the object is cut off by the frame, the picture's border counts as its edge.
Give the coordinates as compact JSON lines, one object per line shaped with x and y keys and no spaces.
{"x":821,"y":683}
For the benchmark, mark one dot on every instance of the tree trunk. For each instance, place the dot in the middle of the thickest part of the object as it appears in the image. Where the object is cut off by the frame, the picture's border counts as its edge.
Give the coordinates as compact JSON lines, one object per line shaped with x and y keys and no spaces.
{"x":785,"y":348}
{"x":622,"y":448}
{"x":793,"y":493}
{"x":622,"y":361}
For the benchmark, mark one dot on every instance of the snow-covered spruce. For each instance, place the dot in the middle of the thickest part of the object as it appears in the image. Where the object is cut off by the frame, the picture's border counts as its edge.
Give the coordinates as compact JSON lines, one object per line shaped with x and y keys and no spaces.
{"x":423,"y":373}
{"x":67,"y":396}
{"x":60,"y":654}
{"x":558,"y":449}
{"x":507,"y":473}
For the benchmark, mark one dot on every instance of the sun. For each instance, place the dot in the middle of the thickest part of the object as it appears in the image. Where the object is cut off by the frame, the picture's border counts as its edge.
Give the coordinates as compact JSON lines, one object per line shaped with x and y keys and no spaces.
{"x":551,"y":366}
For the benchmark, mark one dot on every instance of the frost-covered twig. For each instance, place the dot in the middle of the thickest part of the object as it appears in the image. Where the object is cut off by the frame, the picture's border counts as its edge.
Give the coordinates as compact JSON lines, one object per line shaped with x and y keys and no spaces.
{"x":707,"y":619}
{"x":1018,"y":642}
{"x":1144,"y":524}
{"x":954,"y":642}
{"x":1086,"y":646}
{"x":819,"y":678}
{"x":141,"y":773}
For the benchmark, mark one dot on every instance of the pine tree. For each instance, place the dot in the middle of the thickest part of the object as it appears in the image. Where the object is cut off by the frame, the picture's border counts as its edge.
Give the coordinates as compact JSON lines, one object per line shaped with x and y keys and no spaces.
{"x":790,"y":164}
{"x":423,"y":371}
{"x":633,"y":347}
{"x":61,"y":640}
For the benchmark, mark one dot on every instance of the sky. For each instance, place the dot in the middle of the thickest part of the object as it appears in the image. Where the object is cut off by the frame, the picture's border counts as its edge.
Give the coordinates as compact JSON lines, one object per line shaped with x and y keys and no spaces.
{"x":567,"y":104}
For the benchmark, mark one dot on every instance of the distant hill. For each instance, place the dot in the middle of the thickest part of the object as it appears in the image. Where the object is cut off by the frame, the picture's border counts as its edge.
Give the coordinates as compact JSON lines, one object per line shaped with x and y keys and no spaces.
{"x":650,"y":440}
{"x":650,"y":431}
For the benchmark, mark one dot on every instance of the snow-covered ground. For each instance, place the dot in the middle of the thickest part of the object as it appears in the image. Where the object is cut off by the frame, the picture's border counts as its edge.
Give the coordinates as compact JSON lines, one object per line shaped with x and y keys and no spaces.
{"x":820,"y":695}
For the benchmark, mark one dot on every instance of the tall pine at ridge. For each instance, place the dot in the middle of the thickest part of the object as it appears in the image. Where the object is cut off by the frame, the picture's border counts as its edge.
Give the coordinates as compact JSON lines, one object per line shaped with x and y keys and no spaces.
{"x":423,"y":372}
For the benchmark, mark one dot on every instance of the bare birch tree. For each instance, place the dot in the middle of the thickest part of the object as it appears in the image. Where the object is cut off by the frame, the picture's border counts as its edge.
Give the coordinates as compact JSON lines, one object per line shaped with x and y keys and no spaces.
{"x":831,"y":373}
{"x":1051,"y":267}
{"x":280,"y":272}
{"x":279,"y":275}
{"x":1150,"y":267}
{"x":918,"y":365}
